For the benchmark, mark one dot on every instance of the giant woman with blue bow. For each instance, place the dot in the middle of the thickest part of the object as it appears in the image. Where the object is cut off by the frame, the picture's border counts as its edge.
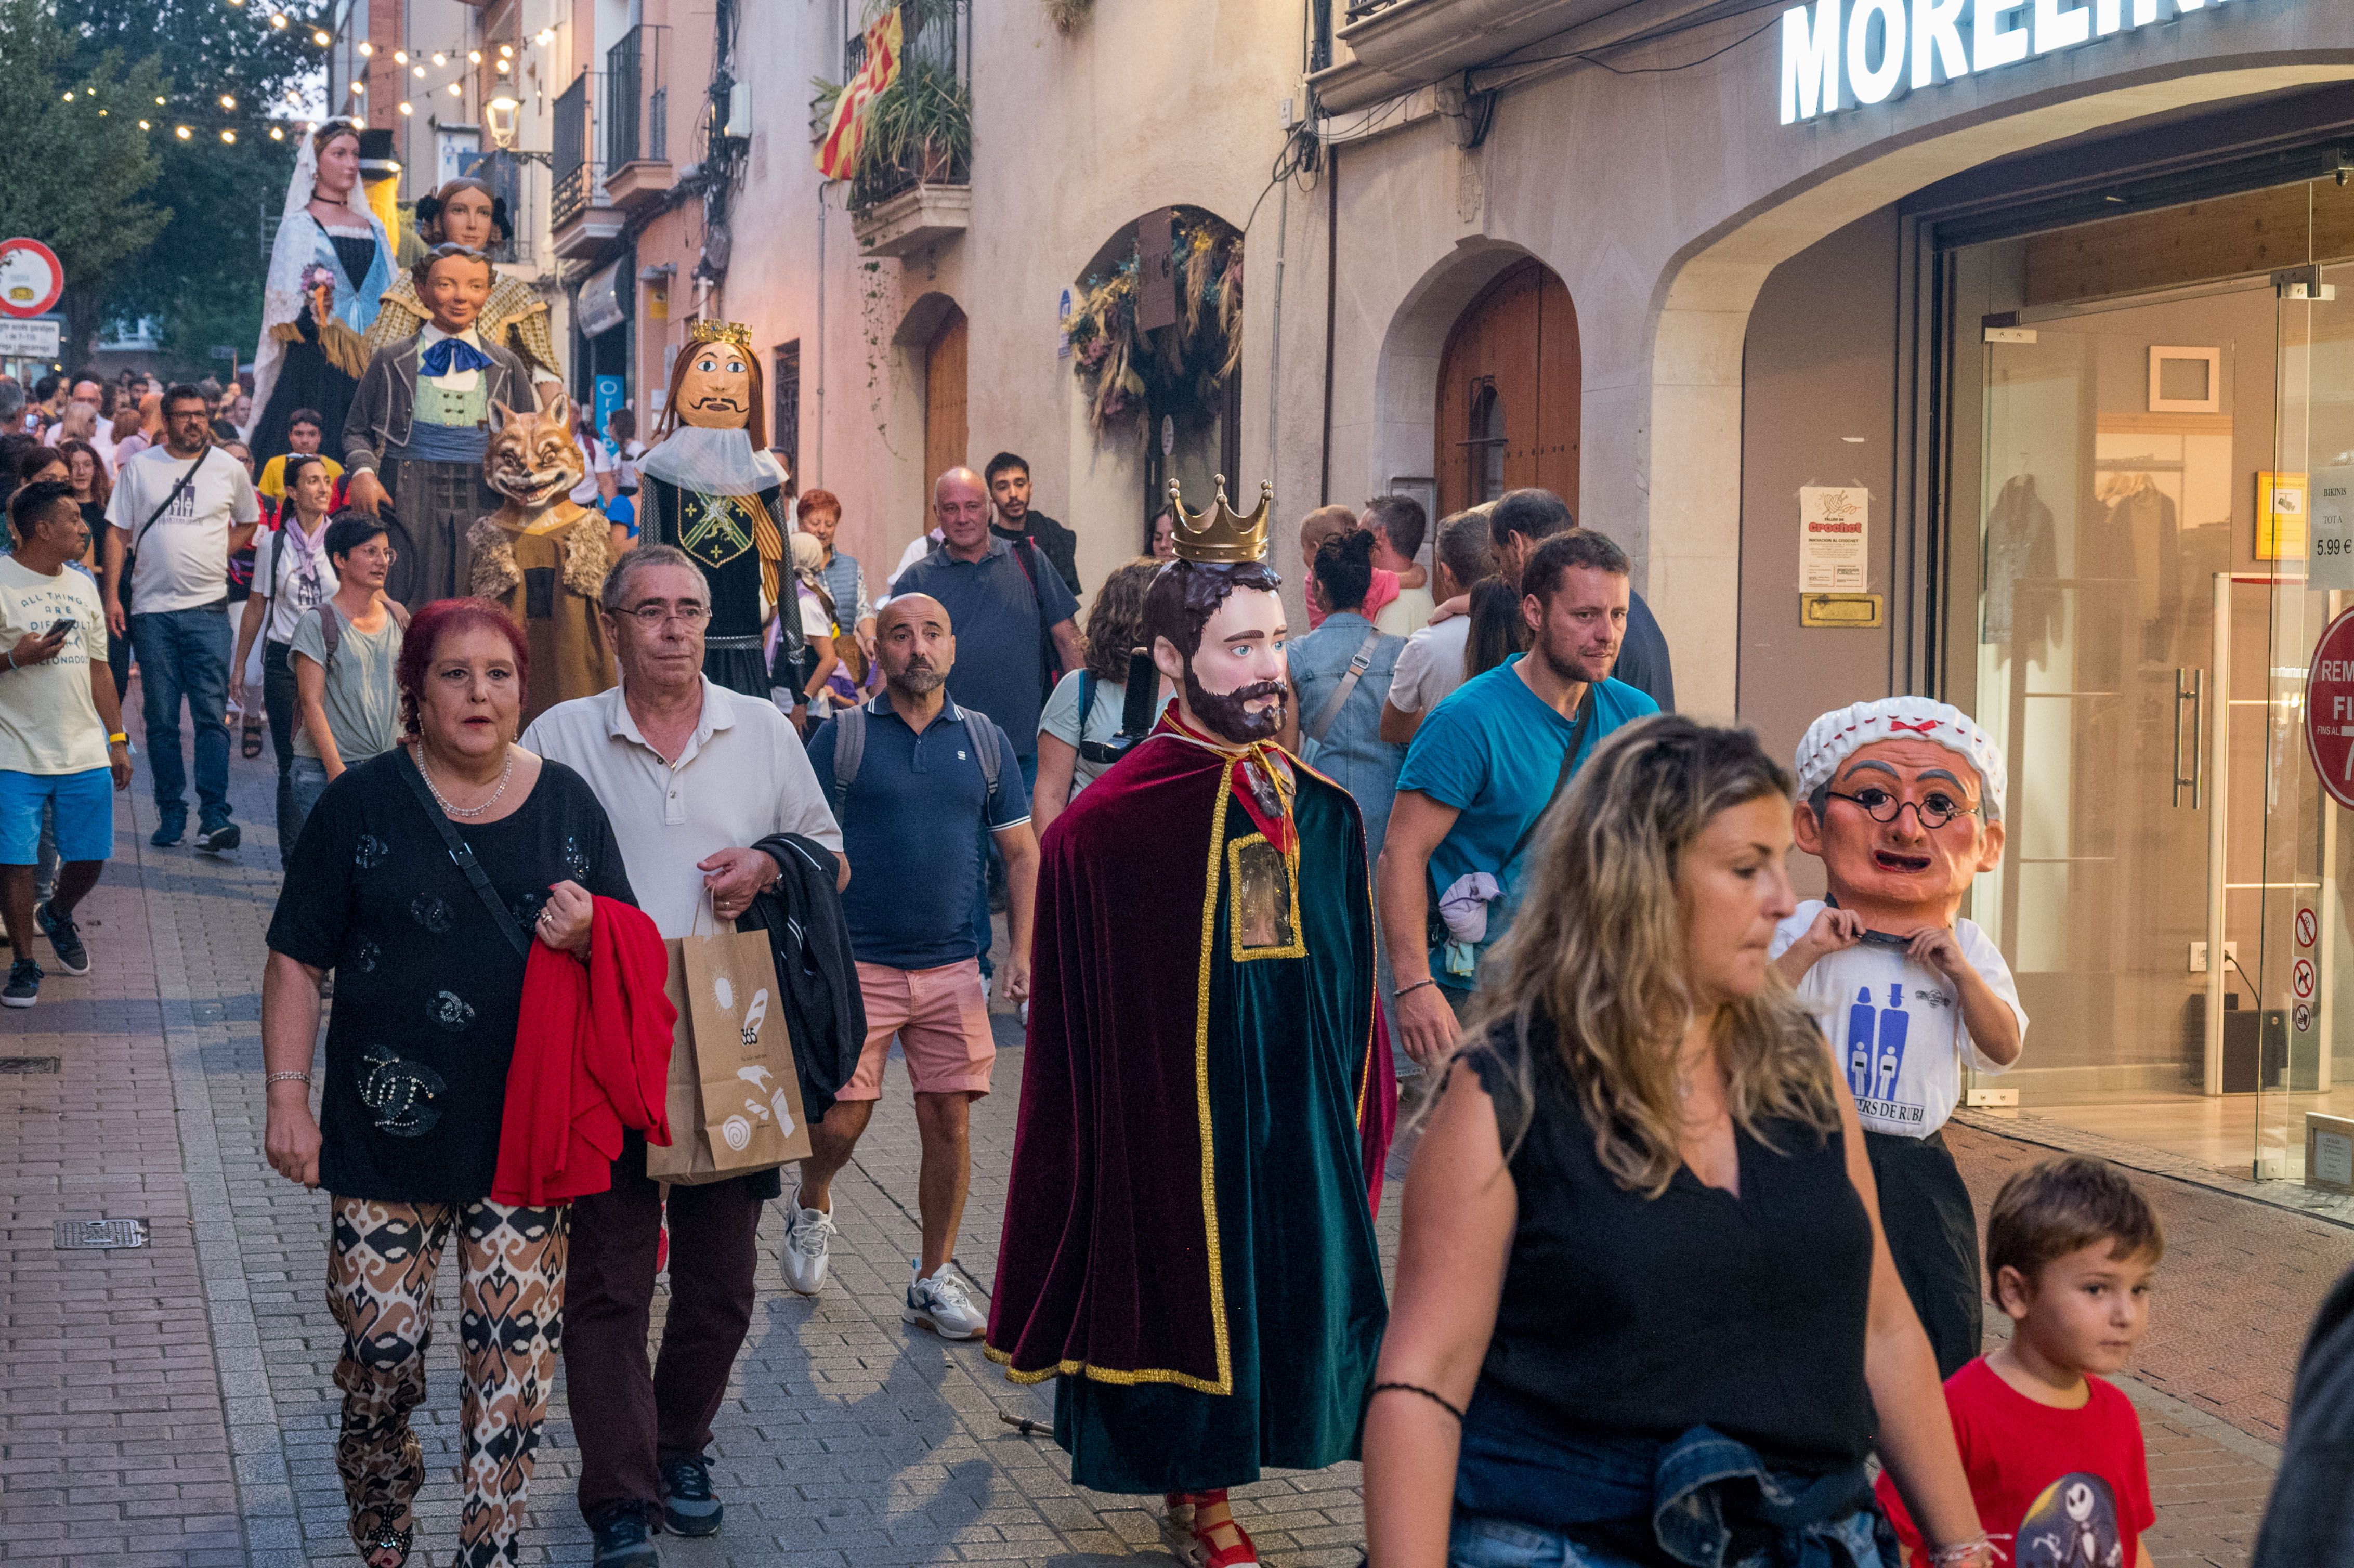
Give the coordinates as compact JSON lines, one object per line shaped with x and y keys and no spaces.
{"x":422,"y":421}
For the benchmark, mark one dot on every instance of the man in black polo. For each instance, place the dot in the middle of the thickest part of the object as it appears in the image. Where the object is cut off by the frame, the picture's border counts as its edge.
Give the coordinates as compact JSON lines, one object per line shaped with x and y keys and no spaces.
{"x":1009,"y":492}
{"x":1013,"y":614}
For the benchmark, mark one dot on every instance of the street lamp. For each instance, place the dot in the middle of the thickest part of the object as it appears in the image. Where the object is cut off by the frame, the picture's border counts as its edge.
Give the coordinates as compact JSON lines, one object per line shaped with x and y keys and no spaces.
{"x":500,"y":112}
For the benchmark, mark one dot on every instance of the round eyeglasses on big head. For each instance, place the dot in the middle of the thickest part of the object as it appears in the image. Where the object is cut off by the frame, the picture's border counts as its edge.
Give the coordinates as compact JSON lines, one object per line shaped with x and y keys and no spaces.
{"x":1934,"y":809}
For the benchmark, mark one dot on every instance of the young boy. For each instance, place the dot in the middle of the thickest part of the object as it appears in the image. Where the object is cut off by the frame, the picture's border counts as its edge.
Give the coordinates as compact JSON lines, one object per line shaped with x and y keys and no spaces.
{"x":2054,"y":1454}
{"x":1902,"y":799}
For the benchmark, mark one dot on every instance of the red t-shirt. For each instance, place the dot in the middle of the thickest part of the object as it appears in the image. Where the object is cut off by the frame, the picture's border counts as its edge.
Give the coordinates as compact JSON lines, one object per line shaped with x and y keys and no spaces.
{"x":2055,"y":1488}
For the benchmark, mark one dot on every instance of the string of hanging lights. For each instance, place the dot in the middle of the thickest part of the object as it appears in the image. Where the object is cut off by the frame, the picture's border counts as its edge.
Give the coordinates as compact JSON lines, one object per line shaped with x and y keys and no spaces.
{"x":235,"y":120}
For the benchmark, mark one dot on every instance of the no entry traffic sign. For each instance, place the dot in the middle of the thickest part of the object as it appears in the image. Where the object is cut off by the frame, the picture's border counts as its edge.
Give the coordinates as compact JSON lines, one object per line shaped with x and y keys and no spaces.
{"x":30,"y":276}
{"x":2329,"y":709}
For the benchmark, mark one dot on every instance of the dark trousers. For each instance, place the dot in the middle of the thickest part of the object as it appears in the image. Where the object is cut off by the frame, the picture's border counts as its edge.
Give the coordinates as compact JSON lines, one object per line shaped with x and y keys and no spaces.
{"x":1933,"y":1234}
{"x":184,"y":655}
{"x":629,"y":1419}
{"x":279,"y":701}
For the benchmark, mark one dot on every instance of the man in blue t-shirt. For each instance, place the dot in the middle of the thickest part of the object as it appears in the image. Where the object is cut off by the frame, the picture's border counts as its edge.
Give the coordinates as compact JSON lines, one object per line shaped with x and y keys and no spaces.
{"x":1480,"y":772}
{"x":914,"y":794}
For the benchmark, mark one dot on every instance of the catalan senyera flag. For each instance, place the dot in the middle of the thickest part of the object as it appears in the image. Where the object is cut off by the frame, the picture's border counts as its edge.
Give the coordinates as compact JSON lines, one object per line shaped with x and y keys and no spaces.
{"x":837,"y":156}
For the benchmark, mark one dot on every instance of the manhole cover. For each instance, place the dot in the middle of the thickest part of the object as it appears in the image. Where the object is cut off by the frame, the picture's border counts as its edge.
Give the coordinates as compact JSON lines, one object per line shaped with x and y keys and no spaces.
{"x":29,"y":1064}
{"x":94,"y":1235}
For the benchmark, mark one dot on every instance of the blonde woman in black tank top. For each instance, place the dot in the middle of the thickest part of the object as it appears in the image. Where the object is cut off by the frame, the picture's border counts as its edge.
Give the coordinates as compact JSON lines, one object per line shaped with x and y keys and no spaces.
{"x":1643,"y":1299}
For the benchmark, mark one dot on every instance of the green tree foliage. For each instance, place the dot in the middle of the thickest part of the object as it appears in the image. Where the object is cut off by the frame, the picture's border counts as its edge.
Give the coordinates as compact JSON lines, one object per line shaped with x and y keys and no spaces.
{"x":80,"y":169}
{"x":201,"y":281}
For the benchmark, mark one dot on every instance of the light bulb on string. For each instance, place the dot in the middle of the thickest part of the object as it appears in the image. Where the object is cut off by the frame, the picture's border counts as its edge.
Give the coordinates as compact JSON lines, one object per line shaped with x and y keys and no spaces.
{"x":405,"y":107}
{"x":506,"y":48}
{"x":368,"y":49}
{"x":505,"y":66}
{"x":547,"y":36}
{"x":456,"y":92}
{"x":440,"y":58}
{"x":474,"y":55}
{"x":159,"y":101}
{"x":144,"y":125}
{"x":277,"y":133}
{"x":358,"y":88}
{"x":229,"y":136}
{"x":68,"y":98}
{"x":319,"y":37}
{"x":228,"y":101}
{"x":416,"y":70}
{"x":182,"y":132}
{"x":277,"y":19}
{"x":400,"y":56}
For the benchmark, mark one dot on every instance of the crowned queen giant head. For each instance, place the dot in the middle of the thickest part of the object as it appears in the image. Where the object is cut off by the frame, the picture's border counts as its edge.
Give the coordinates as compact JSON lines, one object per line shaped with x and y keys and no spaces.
{"x":1214,"y":621}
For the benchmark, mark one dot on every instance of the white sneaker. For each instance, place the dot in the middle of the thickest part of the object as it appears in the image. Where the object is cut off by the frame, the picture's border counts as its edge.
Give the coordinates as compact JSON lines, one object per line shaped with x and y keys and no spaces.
{"x":808,"y":1233}
{"x":942,"y":1305}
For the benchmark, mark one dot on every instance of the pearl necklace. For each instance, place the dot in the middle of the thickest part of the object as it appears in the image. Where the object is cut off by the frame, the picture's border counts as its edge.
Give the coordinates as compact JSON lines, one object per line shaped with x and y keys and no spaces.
{"x":443,"y":800}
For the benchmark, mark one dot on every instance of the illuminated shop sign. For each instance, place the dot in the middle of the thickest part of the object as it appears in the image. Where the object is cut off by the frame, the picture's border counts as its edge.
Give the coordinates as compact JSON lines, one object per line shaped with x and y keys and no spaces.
{"x":1842,"y":54}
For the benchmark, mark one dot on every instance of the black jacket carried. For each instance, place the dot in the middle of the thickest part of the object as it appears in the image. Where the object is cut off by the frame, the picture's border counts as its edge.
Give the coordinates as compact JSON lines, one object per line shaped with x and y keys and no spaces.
{"x":2308,"y":1522}
{"x":817,"y":979}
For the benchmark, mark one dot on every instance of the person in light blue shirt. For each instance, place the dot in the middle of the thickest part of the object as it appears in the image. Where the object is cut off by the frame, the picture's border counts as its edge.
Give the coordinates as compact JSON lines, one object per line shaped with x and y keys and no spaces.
{"x":1480,"y":772}
{"x":1346,"y":747}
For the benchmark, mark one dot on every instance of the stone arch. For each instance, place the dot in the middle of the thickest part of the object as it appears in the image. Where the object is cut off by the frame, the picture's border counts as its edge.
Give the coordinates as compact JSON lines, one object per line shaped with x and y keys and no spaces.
{"x":1405,"y":375}
{"x":1689,"y":476}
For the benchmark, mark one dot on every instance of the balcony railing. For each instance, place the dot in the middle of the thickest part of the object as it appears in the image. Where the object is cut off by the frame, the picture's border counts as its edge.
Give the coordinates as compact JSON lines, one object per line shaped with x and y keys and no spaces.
{"x":636,"y":100}
{"x":926,"y":137}
{"x":578,"y":173}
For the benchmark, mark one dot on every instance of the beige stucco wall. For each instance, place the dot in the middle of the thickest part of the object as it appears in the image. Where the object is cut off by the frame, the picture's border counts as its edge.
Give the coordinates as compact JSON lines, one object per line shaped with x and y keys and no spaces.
{"x":1663,"y":201}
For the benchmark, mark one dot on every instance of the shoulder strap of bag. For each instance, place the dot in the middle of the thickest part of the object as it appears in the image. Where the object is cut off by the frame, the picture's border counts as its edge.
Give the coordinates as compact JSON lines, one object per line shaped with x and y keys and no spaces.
{"x":331,"y":632}
{"x":462,"y":854}
{"x":978,"y":736}
{"x":1561,"y":779}
{"x":848,"y":748}
{"x":177,"y":490}
{"x":1359,"y":662}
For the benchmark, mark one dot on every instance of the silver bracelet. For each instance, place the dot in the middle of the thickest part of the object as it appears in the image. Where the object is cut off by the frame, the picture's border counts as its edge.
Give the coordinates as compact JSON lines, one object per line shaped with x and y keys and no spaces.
{"x":303,"y":1078}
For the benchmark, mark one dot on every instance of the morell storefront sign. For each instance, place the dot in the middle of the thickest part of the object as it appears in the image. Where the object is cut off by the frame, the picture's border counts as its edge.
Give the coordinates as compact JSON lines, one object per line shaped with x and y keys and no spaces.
{"x":1844,"y":54}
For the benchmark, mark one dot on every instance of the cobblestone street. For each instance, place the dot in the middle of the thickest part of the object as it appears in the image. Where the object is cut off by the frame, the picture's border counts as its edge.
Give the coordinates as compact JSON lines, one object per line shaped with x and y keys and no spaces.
{"x":172,"y":1403}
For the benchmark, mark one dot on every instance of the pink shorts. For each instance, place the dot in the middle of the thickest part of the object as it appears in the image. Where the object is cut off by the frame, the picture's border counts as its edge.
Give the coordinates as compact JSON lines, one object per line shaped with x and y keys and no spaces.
{"x":942,"y":1017}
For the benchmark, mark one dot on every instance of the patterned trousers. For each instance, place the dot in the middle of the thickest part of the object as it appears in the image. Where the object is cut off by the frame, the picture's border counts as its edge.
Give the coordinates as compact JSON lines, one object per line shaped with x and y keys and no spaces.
{"x":381,"y":1263}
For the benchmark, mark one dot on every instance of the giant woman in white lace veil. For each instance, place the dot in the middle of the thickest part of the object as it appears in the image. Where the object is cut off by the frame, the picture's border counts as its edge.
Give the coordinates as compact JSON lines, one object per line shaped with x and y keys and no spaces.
{"x":329,"y":264}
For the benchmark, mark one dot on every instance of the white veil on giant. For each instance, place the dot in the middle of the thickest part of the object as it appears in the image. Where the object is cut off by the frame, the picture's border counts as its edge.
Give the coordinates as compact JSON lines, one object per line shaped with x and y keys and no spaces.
{"x":282,"y":303}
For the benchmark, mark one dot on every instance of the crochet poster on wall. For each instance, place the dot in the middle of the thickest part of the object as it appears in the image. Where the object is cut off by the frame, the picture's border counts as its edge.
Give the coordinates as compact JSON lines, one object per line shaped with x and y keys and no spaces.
{"x":1834,"y":529}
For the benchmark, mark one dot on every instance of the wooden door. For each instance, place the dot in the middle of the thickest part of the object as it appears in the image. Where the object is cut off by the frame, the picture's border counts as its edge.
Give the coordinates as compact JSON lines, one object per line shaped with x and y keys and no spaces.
{"x":945,"y":432}
{"x":1510,"y":384}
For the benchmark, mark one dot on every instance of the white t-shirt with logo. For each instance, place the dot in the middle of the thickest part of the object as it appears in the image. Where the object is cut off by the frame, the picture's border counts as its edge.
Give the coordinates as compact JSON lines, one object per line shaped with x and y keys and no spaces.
{"x":183,"y":555}
{"x":48,"y":719}
{"x":1897,"y":1025}
{"x":278,"y":575}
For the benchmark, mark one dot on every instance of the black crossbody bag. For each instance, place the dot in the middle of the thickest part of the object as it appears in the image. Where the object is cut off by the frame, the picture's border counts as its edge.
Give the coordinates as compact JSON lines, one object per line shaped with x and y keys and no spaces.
{"x":462,"y":854}
{"x":1435,"y":925}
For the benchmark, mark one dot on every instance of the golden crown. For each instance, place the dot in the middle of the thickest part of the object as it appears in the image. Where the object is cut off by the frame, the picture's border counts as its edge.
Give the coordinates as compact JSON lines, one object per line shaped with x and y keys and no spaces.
{"x":704,"y":332}
{"x":1221,"y":535}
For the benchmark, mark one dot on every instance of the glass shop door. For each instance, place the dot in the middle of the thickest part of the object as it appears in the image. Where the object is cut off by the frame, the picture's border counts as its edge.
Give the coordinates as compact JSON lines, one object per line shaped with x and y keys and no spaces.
{"x":2108,"y":623}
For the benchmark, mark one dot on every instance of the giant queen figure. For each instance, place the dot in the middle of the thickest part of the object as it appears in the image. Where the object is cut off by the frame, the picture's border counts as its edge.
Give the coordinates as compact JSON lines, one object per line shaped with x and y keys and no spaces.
{"x":1207,"y":1094}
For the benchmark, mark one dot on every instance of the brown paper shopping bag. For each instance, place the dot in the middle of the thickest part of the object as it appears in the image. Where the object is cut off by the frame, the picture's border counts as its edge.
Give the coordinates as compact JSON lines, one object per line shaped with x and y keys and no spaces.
{"x":734,"y":1096}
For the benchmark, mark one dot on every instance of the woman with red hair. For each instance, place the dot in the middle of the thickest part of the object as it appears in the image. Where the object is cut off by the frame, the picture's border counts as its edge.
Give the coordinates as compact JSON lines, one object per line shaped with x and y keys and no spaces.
{"x":423,"y":877}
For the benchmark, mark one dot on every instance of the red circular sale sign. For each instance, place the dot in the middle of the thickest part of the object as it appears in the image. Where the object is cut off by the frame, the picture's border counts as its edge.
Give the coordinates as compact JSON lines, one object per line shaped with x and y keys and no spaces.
{"x":31,"y":278}
{"x":2329,"y":709}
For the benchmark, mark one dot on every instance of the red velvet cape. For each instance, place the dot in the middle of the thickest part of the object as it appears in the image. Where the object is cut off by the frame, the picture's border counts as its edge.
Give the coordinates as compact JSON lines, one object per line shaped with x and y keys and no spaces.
{"x":1109,"y":1257}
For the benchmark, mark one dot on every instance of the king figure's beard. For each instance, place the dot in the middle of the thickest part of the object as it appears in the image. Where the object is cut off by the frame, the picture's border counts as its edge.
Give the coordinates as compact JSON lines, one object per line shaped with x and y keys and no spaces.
{"x":1224,"y":714}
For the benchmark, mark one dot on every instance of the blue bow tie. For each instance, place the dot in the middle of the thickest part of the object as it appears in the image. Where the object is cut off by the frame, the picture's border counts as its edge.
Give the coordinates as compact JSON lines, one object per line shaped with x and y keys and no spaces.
{"x":453,"y":355}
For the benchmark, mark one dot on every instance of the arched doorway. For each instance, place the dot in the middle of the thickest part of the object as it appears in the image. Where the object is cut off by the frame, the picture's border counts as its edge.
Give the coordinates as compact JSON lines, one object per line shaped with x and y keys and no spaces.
{"x":1155,"y":335}
{"x":946,"y":433}
{"x":1510,"y":381}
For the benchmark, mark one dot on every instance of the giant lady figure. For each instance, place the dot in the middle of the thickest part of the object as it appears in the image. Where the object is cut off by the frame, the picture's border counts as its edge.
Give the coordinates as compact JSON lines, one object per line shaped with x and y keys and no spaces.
{"x":328,"y":266}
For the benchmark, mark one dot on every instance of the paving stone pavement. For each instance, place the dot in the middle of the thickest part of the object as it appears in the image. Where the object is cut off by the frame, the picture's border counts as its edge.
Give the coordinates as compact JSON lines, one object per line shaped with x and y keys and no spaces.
{"x":172,"y":1404}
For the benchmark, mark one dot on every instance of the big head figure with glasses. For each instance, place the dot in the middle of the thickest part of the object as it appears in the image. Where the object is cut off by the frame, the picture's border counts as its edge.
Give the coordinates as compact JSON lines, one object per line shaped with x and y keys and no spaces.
{"x":1902,"y":799}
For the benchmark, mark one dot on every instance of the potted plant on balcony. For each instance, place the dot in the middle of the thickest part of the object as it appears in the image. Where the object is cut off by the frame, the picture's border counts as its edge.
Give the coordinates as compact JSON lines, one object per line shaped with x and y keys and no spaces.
{"x":919,"y":130}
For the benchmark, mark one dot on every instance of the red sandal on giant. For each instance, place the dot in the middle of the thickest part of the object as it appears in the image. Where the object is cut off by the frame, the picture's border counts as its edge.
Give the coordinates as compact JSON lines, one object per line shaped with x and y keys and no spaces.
{"x":1196,"y":1544}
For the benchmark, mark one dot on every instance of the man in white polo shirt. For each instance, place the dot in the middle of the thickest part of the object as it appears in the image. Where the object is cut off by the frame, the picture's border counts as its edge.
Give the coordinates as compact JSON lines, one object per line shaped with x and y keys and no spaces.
{"x":179,"y":511}
{"x":692,"y":775}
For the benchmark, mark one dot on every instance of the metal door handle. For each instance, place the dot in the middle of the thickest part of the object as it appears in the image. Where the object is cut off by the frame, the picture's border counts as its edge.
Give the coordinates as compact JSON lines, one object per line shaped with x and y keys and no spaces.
{"x":2191,"y":687}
